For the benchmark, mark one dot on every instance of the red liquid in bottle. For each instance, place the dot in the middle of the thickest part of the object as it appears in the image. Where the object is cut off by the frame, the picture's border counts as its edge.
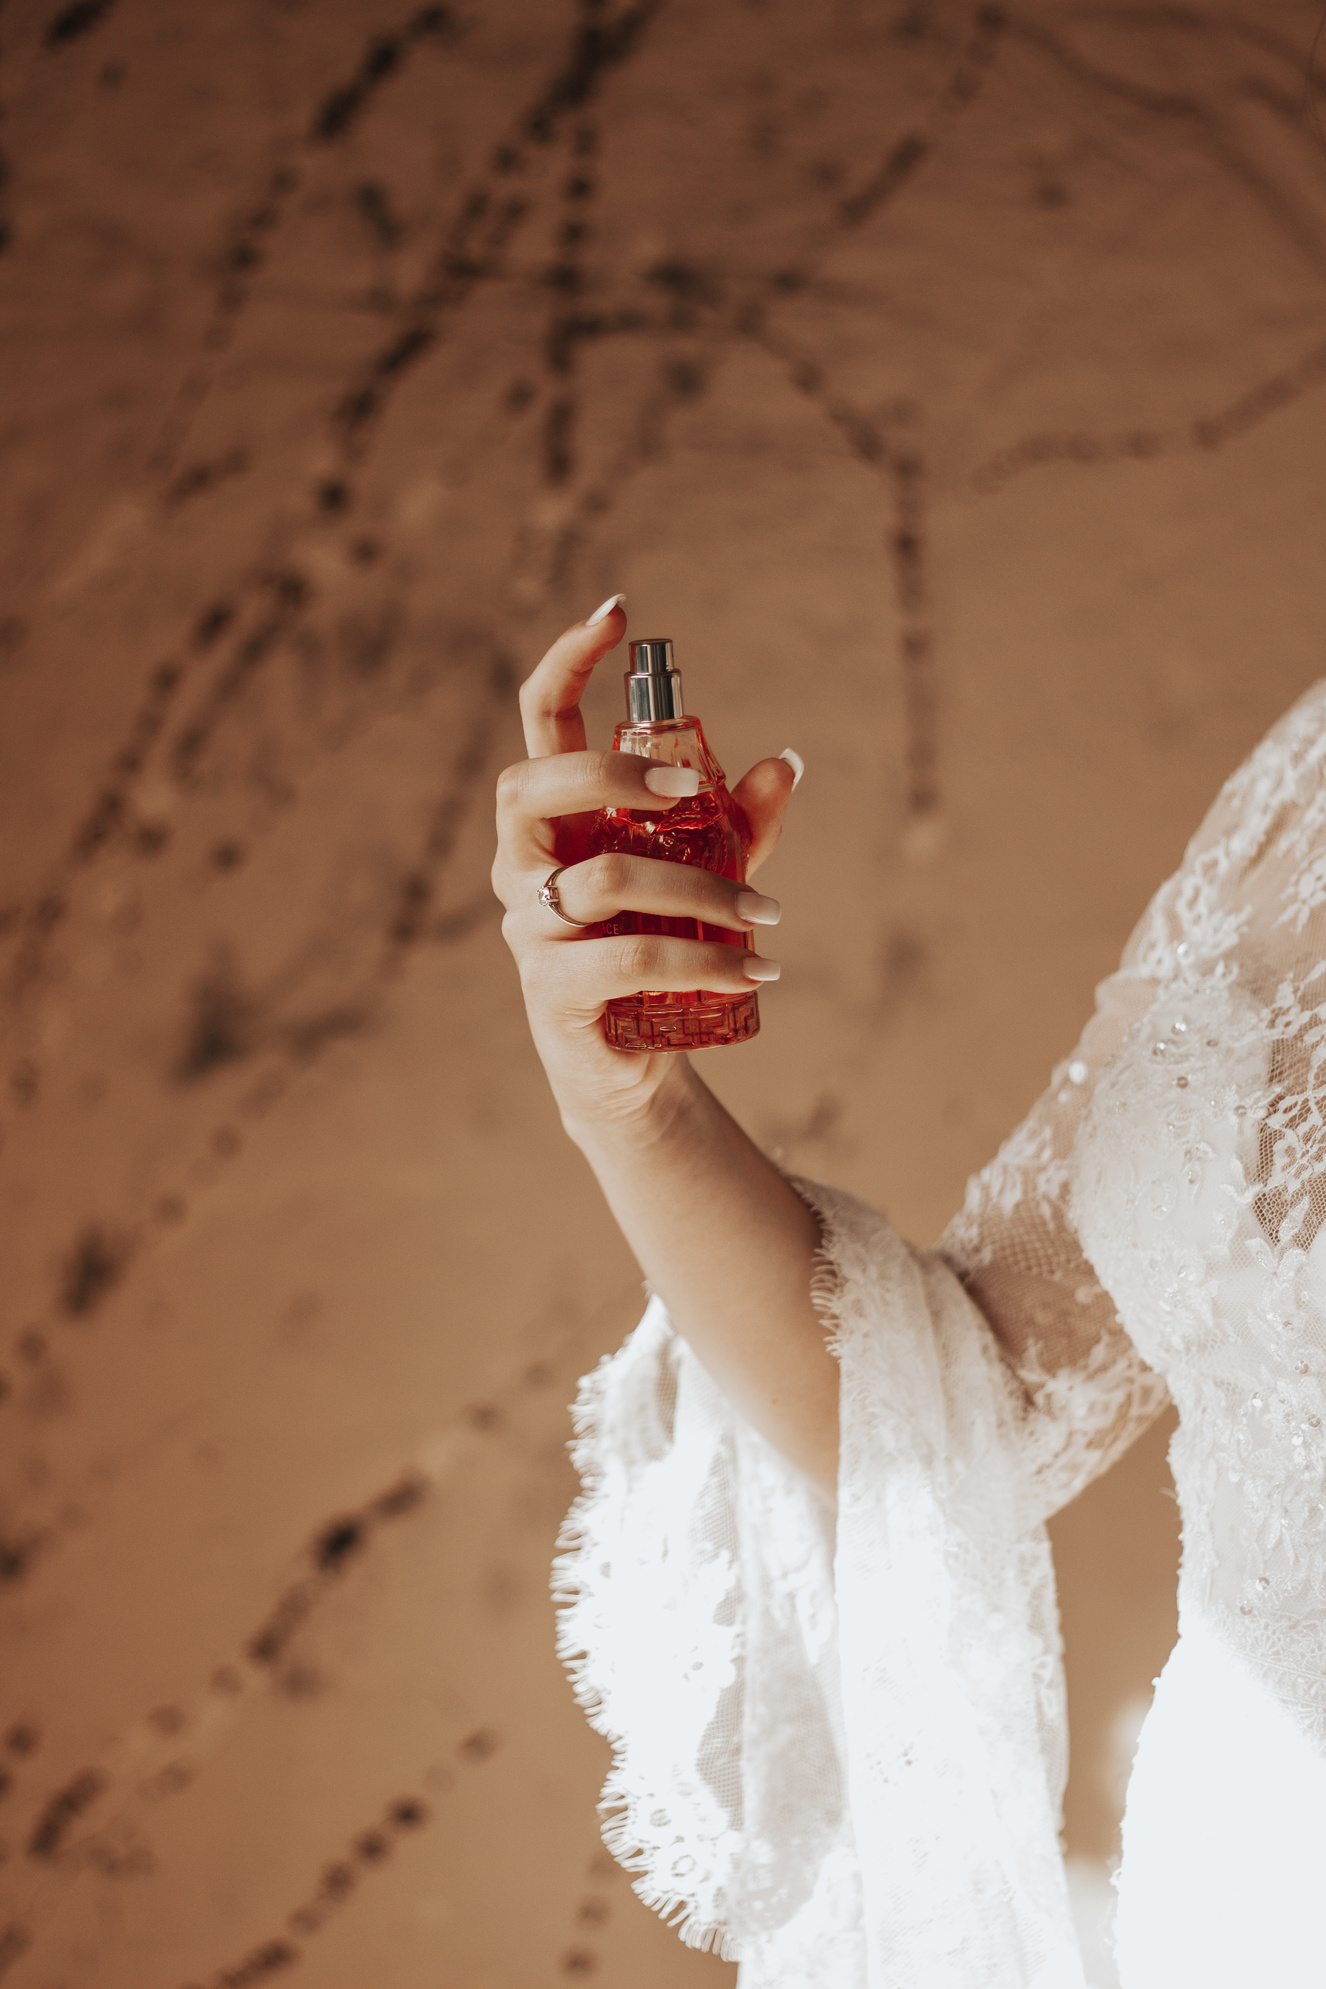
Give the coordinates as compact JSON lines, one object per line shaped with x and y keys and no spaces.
{"x":708,"y":830}
{"x":711,"y":831}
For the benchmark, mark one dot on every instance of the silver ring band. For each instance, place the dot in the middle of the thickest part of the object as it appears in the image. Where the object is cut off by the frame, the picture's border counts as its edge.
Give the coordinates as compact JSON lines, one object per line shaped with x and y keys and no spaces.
{"x":549,"y":899}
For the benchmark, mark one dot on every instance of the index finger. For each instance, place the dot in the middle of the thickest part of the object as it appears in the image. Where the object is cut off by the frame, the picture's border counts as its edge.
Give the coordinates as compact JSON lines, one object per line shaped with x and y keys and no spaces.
{"x":550,"y":697}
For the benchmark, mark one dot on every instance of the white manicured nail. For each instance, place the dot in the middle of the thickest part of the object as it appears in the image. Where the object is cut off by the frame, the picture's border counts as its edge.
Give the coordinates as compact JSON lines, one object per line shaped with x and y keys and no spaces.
{"x":756,"y":969}
{"x":797,"y":764}
{"x":601,"y":614}
{"x":672,"y":780}
{"x":758,"y":909}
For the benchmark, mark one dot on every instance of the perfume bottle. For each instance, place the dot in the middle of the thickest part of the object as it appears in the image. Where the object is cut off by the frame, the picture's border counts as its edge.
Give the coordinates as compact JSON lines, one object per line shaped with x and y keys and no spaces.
{"x":709,"y":830}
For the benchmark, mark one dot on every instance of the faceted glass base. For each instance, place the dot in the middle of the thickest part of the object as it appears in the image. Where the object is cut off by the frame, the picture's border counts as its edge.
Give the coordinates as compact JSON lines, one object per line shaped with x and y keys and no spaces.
{"x":681,"y":1022}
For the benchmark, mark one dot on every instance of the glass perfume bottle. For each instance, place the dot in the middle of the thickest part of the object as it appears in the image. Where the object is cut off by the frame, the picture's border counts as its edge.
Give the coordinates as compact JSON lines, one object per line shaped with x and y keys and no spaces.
{"x":709,"y":830}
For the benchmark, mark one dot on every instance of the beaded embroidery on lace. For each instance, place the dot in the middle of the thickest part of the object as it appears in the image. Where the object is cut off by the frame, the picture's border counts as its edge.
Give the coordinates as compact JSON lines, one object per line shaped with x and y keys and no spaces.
{"x":1200,"y":1193}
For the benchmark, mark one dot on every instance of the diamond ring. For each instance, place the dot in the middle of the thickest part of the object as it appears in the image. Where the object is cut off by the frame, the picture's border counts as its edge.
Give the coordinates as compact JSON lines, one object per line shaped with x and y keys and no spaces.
{"x":549,"y":898}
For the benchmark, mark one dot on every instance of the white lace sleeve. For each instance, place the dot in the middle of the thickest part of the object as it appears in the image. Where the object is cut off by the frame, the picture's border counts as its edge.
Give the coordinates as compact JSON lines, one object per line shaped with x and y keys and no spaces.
{"x":1014,"y":1244}
{"x":699,"y":1625}
{"x":839,"y":1762}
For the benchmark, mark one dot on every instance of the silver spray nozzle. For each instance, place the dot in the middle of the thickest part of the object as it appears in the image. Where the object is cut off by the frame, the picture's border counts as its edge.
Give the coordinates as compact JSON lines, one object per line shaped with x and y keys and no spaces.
{"x":653,"y":685}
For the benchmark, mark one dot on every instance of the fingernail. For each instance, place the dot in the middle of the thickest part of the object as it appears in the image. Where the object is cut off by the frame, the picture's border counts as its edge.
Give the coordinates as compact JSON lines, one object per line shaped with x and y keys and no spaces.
{"x":797,"y":764}
{"x":756,"y":969}
{"x":601,"y":614}
{"x":672,"y":780}
{"x":759,"y":910}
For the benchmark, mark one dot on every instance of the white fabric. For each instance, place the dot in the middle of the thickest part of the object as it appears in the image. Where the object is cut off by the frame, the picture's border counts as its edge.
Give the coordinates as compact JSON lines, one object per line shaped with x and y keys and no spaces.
{"x":843,"y":1766}
{"x":1224,"y":1868}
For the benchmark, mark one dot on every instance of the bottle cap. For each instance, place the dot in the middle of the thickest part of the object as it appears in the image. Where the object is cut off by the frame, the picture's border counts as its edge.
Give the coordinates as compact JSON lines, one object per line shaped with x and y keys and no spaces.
{"x":653,"y":685}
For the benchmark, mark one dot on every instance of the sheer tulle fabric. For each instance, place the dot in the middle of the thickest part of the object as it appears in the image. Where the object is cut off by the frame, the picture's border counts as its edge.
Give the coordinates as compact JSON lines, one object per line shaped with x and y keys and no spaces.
{"x":840,"y":1760}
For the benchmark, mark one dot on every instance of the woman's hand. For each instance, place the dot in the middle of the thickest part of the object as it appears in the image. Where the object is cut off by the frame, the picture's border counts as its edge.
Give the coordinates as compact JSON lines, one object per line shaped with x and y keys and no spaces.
{"x":723,"y":1239}
{"x":569,"y":977}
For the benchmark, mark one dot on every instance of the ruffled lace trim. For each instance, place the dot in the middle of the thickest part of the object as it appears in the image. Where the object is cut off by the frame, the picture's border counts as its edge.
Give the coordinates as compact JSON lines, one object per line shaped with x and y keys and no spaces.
{"x":695,"y":1587}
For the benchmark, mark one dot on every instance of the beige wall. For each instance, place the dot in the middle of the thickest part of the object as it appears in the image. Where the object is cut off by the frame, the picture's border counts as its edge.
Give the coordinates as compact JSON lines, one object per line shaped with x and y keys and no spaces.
{"x":950,"y":385}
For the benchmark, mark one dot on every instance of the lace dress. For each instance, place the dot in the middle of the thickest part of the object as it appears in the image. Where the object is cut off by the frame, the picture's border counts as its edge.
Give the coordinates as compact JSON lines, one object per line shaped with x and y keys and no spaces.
{"x":839,"y":1753}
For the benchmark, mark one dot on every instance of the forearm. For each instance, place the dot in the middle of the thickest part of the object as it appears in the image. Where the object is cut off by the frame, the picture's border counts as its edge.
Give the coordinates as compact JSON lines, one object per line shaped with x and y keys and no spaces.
{"x":726,"y":1243}
{"x":729,"y":1247}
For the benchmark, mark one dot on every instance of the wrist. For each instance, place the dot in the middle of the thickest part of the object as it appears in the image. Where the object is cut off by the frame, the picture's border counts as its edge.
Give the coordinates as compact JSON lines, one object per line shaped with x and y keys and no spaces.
{"x":635,"y":1119}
